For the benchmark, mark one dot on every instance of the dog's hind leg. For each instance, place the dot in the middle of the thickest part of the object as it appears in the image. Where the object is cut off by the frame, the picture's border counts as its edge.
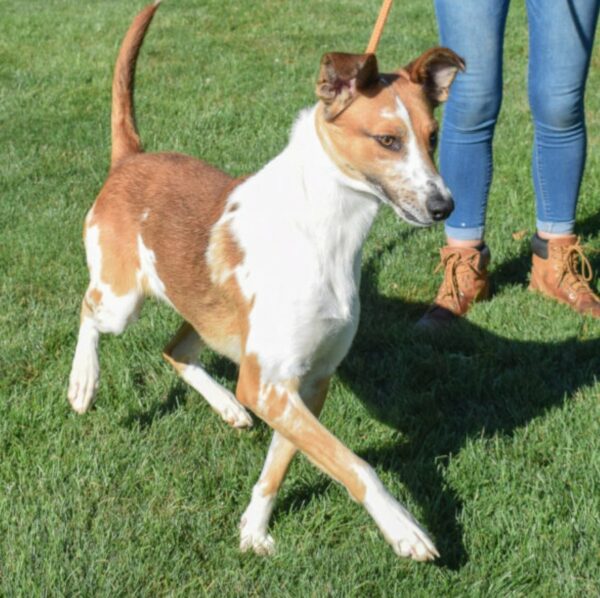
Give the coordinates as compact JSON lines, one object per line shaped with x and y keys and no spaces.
{"x":85,"y":371}
{"x":112,"y":301}
{"x":101,"y":312}
{"x":255,"y":520}
{"x":182,"y":353}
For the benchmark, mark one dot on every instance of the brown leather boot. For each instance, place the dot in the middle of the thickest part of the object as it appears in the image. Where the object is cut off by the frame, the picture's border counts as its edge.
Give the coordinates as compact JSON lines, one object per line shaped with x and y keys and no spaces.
{"x":561,"y":271}
{"x":465,"y":281}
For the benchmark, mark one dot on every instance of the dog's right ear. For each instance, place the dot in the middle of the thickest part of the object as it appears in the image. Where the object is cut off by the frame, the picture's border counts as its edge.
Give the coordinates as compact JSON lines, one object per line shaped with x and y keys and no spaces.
{"x":435,"y":70}
{"x":340,"y":77}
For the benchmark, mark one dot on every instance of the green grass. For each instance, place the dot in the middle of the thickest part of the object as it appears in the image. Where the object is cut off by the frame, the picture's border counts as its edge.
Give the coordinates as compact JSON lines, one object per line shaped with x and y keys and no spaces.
{"x":490,"y":435}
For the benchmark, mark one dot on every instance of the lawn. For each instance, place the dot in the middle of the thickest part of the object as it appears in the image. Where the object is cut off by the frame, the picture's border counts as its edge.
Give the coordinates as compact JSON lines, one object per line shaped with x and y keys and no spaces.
{"x":490,"y":434}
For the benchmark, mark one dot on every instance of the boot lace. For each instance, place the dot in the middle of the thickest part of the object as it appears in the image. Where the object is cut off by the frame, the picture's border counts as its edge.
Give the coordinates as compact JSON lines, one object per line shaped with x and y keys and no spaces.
{"x":576,"y":269}
{"x":450,"y":264}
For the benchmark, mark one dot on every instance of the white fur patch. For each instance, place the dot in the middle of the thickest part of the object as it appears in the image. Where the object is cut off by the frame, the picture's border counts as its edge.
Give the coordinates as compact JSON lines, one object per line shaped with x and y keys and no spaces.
{"x":85,"y":371}
{"x":388,"y":114}
{"x":148,"y":271}
{"x":114,"y":312}
{"x":414,"y":169}
{"x":402,"y":112}
{"x":217,"y":396}
{"x":255,"y":521}
{"x":301,"y":225}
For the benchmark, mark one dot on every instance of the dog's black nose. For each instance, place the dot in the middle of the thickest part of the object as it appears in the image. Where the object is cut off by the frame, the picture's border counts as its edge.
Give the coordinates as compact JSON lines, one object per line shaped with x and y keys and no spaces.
{"x":439,"y":207}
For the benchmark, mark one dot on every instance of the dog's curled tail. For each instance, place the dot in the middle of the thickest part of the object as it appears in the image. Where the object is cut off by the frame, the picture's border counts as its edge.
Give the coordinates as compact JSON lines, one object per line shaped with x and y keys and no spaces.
{"x":125,"y":138}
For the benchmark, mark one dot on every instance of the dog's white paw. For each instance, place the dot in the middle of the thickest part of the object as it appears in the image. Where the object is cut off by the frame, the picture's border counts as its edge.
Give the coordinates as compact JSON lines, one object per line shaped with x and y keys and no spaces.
{"x":398,"y":526}
{"x":83,"y":383}
{"x":407,"y":537}
{"x":254,"y":524}
{"x":235,"y":415}
{"x":259,"y":542}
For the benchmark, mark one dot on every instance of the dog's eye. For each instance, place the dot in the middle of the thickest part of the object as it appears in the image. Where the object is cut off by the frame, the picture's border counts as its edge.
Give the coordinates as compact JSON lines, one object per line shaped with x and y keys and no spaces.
{"x":389,"y":142}
{"x":433,"y":140}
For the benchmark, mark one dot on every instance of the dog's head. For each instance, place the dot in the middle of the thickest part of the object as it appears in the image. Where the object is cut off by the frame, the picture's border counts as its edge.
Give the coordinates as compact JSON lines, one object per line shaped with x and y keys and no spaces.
{"x":380,"y":130}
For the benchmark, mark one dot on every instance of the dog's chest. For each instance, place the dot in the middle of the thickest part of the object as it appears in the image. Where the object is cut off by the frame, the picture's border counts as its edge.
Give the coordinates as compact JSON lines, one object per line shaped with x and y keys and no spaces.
{"x":305,"y":303}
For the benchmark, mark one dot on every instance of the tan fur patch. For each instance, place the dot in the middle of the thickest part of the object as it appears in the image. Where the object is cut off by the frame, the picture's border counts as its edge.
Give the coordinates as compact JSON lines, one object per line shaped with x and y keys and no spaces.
{"x":179,"y":367}
{"x":118,"y":244}
{"x":279,"y":461}
{"x":173,"y":202}
{"x":278,"y":465}
{"x":225,"y":254}
{"x":94,"y":296}
{"x":248,"y":384}
{"x":301,"y":428}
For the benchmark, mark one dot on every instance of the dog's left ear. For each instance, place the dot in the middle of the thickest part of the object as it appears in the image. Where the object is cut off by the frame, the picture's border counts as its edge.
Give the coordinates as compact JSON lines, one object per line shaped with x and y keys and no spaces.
{"x":435,"y":70}
{"x":340,"y":76}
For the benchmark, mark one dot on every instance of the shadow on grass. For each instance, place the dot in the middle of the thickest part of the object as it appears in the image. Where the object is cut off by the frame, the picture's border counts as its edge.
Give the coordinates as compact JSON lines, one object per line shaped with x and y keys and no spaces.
{"x":144,"y":419}
{"x":439,"y":391}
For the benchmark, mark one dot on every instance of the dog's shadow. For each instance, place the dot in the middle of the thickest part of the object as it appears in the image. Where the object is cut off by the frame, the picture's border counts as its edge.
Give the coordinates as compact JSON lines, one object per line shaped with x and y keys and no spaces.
{"x":441,"y":390}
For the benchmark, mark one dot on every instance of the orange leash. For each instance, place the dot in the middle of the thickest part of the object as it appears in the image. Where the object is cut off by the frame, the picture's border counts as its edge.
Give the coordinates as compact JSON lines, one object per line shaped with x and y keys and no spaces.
{"x":379,"y":25}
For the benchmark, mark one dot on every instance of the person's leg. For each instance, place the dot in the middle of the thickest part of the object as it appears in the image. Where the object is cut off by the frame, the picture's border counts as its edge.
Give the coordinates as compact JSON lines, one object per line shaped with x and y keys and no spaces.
{"x":561,"y":40}
{"x":474,"y":29}
{"x":561,"y":36}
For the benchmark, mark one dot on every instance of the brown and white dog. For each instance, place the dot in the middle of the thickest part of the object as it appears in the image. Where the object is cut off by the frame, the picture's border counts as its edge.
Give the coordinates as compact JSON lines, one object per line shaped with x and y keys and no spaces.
{"x":266,"y":270}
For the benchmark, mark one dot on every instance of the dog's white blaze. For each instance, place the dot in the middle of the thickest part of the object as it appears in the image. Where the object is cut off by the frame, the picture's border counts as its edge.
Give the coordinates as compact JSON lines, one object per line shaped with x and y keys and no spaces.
{"x":402,"y":112}
{"x":303,"y":317}
{"x":414,"y":169}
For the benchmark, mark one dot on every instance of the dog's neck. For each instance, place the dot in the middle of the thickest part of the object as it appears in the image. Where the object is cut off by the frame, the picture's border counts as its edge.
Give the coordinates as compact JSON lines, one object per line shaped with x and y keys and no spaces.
{"x":304,"y":184}
{"x":302,"y":223}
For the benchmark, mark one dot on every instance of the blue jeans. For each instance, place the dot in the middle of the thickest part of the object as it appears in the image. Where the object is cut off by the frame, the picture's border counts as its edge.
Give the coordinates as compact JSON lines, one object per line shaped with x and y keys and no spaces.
{"x":561,"y":35}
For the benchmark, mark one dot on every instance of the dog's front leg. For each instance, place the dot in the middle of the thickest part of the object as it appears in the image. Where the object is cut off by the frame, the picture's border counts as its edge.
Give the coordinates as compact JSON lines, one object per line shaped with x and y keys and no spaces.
{"x":255,"y":520}
{"x":280,"y":406}
{"x":182,"y":353}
